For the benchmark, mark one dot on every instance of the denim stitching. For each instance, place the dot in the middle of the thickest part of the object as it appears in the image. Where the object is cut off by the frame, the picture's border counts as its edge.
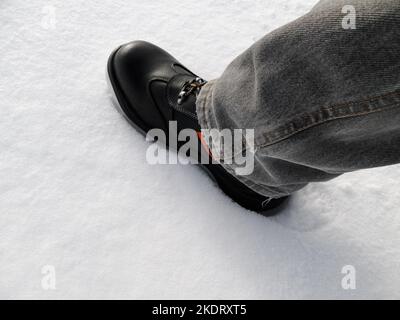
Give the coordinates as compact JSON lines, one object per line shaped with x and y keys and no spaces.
{"x":206,"y":112}
{"x":325,"y":114}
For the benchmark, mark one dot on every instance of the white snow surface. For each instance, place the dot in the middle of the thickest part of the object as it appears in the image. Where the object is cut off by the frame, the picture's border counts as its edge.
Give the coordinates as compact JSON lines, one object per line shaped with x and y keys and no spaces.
{"x":77,"y":193}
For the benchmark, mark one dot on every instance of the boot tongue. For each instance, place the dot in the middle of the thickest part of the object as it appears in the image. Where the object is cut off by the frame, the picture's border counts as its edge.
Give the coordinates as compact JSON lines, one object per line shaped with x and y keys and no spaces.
{"x":174,"y":88}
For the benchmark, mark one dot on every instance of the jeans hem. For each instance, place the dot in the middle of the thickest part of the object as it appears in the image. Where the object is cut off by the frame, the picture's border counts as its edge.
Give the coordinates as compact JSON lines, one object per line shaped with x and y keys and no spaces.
{"x":207,"y":121}
{"x":202,"y":107}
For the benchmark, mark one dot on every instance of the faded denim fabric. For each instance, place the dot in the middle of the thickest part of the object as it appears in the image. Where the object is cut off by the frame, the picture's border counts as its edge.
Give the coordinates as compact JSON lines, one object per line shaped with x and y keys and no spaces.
{"x":323,"y":100}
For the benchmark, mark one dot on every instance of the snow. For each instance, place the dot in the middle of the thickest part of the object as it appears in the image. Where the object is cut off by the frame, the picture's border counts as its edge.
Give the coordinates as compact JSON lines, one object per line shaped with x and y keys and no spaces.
{"x":77,"y":194}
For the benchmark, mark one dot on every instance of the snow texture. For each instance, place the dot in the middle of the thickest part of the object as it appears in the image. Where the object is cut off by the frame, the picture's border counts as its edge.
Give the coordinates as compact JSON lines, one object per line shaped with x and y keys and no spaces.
{"x":76,"y":191}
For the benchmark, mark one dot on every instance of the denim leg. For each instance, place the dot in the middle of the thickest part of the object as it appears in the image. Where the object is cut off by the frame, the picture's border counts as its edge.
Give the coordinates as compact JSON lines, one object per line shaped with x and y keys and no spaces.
{"x":323,"y":96}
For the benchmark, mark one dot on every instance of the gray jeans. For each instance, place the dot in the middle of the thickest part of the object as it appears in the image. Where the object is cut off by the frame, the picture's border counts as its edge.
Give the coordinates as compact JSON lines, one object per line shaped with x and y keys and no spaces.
{"x":323,"y":99}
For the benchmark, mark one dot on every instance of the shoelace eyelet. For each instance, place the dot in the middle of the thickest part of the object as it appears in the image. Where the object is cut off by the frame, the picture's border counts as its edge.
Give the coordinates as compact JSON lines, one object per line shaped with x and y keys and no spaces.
{"x":191,"y":87}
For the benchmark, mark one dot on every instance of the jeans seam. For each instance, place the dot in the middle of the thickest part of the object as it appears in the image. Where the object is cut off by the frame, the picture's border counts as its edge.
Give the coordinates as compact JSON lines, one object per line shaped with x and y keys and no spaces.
{"x":203,"y":109}
{"x":327,"y":114}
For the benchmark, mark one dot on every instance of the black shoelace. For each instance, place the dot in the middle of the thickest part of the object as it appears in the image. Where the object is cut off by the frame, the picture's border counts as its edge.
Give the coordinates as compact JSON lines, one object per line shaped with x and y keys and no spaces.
{"x":191,"y":87}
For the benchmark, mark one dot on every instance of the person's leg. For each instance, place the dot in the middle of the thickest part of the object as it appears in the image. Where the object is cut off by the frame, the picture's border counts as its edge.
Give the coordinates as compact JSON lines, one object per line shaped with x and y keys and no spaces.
{"x":323,"y":99}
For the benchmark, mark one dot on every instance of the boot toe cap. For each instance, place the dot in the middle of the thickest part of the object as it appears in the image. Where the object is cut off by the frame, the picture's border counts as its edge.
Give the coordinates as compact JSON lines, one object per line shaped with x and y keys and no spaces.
{"x":134,"y":66}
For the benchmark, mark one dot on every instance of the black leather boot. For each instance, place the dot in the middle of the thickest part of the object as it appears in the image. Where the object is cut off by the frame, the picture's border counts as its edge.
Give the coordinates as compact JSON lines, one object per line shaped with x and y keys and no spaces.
{"x":151,"y":89}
